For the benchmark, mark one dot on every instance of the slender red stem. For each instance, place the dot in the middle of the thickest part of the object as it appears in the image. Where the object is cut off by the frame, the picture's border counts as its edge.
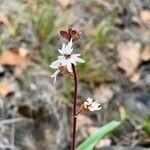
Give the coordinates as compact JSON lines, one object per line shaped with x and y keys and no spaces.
{"x":74,"y":108}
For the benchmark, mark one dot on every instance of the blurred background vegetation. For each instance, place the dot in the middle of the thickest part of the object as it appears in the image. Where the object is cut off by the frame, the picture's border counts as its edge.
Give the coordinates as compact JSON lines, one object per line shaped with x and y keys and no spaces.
{"x":115,"y":44}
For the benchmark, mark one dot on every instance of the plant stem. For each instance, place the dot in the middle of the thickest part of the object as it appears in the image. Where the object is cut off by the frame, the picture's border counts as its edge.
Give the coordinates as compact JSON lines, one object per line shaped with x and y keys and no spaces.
{"x":74,"y":108}
{"x":78,"y":112}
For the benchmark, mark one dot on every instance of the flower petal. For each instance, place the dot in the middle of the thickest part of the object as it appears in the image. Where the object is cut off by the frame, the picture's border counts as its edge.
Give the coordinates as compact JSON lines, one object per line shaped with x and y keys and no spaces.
{"x":80,"y":60}
{"x":89,"y":100}
{"x":55,"y":64}
{"x":69,"y":67}
{"x":76,"y":58}
{"x":91,"y":105}
{"x":60,"y":51}
{"x":77,"y":55}
{"x":60,"y":57}
{"x":68,"y":49}
{"x":72,"y":60}
{"x":54,"y":75}
{"x":95,"y":106}
{"x":63,"y":49}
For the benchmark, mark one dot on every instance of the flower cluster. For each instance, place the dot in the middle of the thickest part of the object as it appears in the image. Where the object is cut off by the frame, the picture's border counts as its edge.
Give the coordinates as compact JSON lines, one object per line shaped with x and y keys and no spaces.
{"x":65,"y":60}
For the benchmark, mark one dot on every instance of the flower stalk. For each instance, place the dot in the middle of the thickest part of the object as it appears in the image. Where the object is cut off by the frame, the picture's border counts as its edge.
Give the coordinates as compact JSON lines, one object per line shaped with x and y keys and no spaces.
{"x":66,"y":63}
{"x":74,"y":107}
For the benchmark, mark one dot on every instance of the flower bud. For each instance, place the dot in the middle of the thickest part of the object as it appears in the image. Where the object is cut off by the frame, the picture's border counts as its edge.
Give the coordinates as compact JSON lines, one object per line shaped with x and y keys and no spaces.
{"x":70,"y":34}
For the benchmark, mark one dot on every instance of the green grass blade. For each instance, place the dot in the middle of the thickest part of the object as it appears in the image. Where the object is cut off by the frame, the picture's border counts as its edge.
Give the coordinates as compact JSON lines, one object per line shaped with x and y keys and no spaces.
{"x":90,"y":142}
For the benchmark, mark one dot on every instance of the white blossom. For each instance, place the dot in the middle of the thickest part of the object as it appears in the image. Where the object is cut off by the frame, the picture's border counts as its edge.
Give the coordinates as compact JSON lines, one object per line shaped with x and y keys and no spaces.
{"x":91,"y":105}
{"x":65,"y":59}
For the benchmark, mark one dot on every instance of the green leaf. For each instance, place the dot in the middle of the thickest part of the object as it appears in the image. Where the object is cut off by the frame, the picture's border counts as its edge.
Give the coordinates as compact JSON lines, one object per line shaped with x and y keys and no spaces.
{"x":90,"y":142}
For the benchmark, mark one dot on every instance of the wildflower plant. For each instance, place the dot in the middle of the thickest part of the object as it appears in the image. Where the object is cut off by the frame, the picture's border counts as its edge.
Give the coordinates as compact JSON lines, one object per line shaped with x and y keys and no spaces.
{"x":65,"y":64}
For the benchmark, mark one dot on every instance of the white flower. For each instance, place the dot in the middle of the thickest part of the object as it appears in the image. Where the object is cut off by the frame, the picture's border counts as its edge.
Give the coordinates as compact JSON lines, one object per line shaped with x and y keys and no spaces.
{"x":65,"y":59}
{"x":91,"y":105}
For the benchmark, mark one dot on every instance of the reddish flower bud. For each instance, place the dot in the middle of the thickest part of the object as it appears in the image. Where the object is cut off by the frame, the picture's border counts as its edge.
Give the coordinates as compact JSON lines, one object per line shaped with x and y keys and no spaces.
{"x":75,"y":36}
{"x":84,"y":108}
{"x":65,"y":34}
{"x":70,"y":34}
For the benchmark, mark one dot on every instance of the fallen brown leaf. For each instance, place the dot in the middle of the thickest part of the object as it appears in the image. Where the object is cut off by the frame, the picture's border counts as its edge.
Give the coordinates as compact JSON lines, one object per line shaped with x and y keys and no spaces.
{"x":64,"y":3}
{"x":84,"y":120}
{"x":5,"y":88}
{"x":129,"y":56}
{"x":145,"y":56}
{"x":145,"y":16}
{"x":83,"y":123}
{"x":14,"y":57}
{"x":103,"y":93}
{"x":135,"y":77}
